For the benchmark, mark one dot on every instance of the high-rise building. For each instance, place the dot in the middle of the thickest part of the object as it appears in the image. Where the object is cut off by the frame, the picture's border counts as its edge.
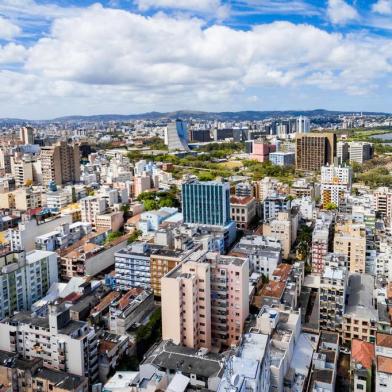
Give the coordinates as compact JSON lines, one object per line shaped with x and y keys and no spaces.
{"x":321,"y":242}
{"x":333,"y":287}
{"x":343,"y":151}
{"x":26,"y":135}
{"x":62,"y":343}
{"x":206,"y":203}
{"x":350,"y":240}
{"x":91,"y":207}
{"x":176,"y":137}
{"x":314,"y":150}
{"x":205,"y":301}
{"x":303,"y":124}
{"x":25,"y":278}
{"x":335,"y":184}
{"x":60,"y":163}
{"x":360,"y":151}
{"x":261,"y":150}
{"x":382,"y":201}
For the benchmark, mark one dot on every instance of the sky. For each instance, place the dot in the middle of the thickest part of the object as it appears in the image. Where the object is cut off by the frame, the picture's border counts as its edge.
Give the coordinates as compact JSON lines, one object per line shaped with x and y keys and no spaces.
{"x":70,"y":57}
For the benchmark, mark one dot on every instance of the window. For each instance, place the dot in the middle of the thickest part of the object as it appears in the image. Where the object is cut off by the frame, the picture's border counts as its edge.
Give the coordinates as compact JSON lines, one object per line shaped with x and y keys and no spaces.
{"x":360,"y":386}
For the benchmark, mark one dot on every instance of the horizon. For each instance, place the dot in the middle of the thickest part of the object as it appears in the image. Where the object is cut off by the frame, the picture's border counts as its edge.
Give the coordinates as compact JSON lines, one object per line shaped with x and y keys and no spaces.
{"x":134,"y":56}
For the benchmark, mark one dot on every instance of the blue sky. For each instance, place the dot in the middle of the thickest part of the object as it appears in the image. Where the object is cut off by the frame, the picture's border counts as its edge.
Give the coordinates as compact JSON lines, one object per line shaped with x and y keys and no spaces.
{"x":130,"y":56}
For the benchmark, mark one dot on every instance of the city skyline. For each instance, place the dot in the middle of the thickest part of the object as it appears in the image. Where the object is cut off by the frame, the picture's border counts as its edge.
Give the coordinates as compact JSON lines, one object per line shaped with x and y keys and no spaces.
{"x":84,"y":57}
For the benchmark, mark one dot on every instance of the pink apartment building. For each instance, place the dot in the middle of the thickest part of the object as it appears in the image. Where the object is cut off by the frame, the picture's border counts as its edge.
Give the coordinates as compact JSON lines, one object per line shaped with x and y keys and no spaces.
{"x":205,"y":301}
{"x":321,"y":242}
{"x":261,"y":150}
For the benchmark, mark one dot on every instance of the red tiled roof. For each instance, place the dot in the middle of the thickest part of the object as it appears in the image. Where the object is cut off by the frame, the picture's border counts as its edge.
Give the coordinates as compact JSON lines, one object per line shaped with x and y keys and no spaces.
{"x":384,"y":339}
{"x":362,"y":352}
{"x":384,"y":364}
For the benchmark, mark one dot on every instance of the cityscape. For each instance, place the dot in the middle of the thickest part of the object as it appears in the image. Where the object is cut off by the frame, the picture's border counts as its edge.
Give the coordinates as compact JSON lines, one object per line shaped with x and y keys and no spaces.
{"x":195,"y":196}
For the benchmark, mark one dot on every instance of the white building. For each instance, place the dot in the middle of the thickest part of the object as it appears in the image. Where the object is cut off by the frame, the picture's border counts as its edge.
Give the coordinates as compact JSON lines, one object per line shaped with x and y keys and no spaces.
{"x":303,"y":124}
{"x":91,"y":206}
{"x":335,"y":184}
{"x":62,"y":343}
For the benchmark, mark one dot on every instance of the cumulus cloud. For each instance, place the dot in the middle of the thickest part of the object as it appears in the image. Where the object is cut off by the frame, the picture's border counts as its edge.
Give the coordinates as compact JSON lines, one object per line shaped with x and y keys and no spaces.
{"x":340,"y":12}
{"x":204,"y":6}
{"x":105,"y":59}
{"x":383,"y":7}
{"x":12,"y":53}
{"x":8,"y":30}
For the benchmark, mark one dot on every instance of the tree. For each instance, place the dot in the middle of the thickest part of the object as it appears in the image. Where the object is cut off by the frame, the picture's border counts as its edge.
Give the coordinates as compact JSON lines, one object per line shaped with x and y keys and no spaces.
{"x":150,"y":205}
{"x":125,"y":208}
{"x":134,"y":236}
{"x":112,"y":236}
{"x":74,"y":198}
{"x":331,"y":206}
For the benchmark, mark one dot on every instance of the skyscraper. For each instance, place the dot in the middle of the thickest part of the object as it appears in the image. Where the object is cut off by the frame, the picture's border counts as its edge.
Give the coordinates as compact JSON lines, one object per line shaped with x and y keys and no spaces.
{"x":176,"y":137}
{"x":206,"y":203}
{"x":303,"y":124}
{"x":60,"y":163}
{"x":314,"y":150}
{"x":26,"y":135}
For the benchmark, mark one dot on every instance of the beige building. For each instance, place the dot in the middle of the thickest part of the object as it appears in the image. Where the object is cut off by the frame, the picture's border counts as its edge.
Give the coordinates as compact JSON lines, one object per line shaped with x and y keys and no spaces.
{"x":243,"y":210}
{"x":350,"y":240}
{"x":91,"y":207}
{"x":26,"y":135}
{"x":60,"y":163}
{"x":382,"y":201}
{"x":205,"y":301}
{"x":111,"y":221}
{"x":22,"y":170}
{"x":284,"y":229}
{"x":26,"y":199}
{"x":7,"y":200}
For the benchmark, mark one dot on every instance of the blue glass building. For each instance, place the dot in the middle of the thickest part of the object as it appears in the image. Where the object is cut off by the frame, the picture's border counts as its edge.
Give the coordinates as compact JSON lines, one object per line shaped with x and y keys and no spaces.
{"x":206,"y":203}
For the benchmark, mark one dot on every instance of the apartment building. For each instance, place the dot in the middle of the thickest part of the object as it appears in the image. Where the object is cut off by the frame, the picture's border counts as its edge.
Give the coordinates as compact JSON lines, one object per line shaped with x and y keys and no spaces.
{"x":360,"y":316}
{"x":112,"y":221}
{"x":163,"y":260}
{"x":350,"y":240}
{"x":314,"y":150}
{"x":132,"y":266}
{"x":205,"y":301}
{"x":335,"y":184}
{"x":63,"y":344}
{"x":360,"y":151}
{"x":272,"y":205}
{"x":333,"y":288}
{"x":22,"y":170}
{"x":261,"y":150}
{"x":382,"y":201}
{"x":26,"y":135}
{"x":27,"y":199}
{"x":284,"y":228}
{"x":264,"y":253}
{"x":321,"y":241}
{"x":91,"y":207}
{"x":243,"y":211}
{"x":60,"y":163}
{"x":25,"y":278}
{"x":20,"y":374}
{"x":361,"y":365}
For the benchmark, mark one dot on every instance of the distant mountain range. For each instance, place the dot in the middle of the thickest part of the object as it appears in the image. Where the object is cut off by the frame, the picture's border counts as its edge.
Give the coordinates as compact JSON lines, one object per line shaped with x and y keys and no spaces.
{"x":189,"y":114}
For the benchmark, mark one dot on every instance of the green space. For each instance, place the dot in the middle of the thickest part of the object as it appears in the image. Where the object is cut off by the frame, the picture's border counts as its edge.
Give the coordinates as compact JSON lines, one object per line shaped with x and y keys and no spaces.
{"x":155,"y":200}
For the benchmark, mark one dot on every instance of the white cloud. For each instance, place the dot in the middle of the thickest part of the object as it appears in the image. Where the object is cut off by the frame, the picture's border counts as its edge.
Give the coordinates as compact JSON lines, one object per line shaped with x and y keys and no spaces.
{"x":383,"y":7}
{"x":204,"y":6}
{"x":340,"y":12}
{"x":8,"y":30}
{"x":12,"y":53}
{"x":107,"y":60}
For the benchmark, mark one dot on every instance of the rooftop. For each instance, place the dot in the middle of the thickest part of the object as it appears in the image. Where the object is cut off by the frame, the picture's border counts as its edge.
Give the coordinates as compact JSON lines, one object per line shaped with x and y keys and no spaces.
{"x":61,"y":380}
{"x":362,"y":352}
{"x":384,"y":340}
{"x":384,"y":364}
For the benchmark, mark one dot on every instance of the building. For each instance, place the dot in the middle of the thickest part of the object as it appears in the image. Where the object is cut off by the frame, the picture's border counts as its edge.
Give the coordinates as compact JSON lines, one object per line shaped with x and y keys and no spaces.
{"x":111,"y":221}
{"x":133,"y":266}
{"x":360,"y":316}
{"x":273,"y":205}
{"x":261,"y":150}
{"x":382,"y":201}
{"x":205,"y":301}
{"x":343,"y":152}
{"x":282,"y":158}
{"x":324,"y":364}
{"x":26,"y":135}
{"x":63,"y":344}
{"x":25,"y":278}
{"x":361,"y":365}
{"x":27,"y":199}
{"x":321,"y":242}
{"x":22,"y":171}
{"x":20,"y":374}
{"x":243,"y":211}
{"x":360,"y":151}
{"x":162,"y":261}
{"x":314,"y":150}
{"x":60,"y":163}
{"x":383,"y":362}
{"x":335,"y":184}
{"x":350,"y":240}
{"x":284,"y":228}
{"x":91,"y":207}
{"x":206,"y":203}
{"x":333,"y":288}
{"x":176,"y":136}
{"x":130,"y":309}
{"x":303,"y":124}
{"x":166,"y":360}
{"x":264,"y":253}
{"x":249,"y":368}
